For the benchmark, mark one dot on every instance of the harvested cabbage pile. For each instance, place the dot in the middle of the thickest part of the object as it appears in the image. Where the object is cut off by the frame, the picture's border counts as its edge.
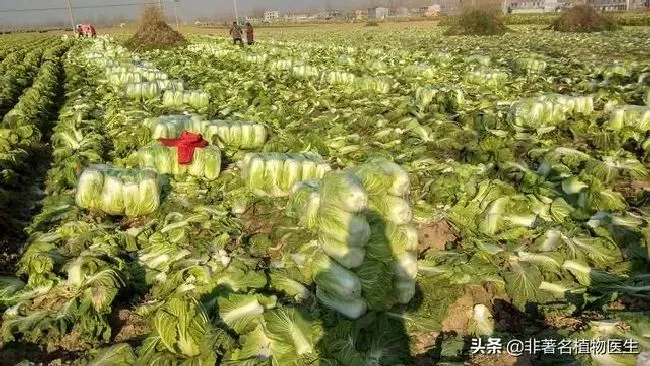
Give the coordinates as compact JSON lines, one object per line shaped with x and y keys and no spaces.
{"x":206,"y":162}
{"x":274,"y":174}
{"x":486,"y":77}
{"x":394,"y":239}
{"x":150,"y":89}
{"x":634,"y":117}
{"x":193,"y":98}
{"x":129,"y":192}
{"x":547,"y":110}
{"x":364,"y":225}
{"x":144,"y":90}
{"x":232,"y":134}
{"x":171,"y":126}
{"x":243,"y":135}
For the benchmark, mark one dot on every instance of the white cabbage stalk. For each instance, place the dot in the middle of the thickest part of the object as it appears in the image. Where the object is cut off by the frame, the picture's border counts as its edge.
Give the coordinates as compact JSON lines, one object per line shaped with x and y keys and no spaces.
{"x":347,"y":256}
{"x":406,"y":266}
{"x":404,"y":290}
{"x":344,"y":190}
{"x":393,"y":209}
{"x":381,"y":176}
{"x":90,"y":186}
{"x":304,"y":203}
{"x":352,"y":309}
{"x":112,"y":198}
{"x":335,"y":279}
{"x":349,"y":228}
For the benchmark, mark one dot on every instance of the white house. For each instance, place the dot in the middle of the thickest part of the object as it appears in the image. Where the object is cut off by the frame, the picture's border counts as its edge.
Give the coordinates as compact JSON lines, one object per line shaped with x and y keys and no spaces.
{"x":271,"y":16}
{"x":534,"y":6}
{"x":617,"y":5}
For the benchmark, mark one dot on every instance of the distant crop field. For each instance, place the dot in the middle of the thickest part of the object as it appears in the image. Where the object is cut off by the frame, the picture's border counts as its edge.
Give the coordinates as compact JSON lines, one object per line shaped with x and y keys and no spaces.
{"x":334,"y":194}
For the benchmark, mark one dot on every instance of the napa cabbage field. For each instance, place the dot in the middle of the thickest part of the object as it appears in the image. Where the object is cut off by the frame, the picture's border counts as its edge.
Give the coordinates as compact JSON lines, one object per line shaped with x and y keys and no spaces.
{"x":329,"y":196}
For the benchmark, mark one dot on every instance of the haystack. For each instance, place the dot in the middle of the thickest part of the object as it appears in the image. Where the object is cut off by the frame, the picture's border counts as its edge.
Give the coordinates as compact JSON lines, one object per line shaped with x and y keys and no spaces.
{"x":583,"y":18}
{"x":153,"y":32}
{"x":479,"y":18}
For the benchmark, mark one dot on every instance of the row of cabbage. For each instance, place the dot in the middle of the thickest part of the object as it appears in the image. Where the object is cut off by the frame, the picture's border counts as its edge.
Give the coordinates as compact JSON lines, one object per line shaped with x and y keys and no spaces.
{"x":23,"y":126}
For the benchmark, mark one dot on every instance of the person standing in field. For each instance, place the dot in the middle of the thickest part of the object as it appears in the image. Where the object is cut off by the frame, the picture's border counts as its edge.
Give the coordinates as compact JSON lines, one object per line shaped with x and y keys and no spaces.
{"x":249,"y":34}
{"x":93,"y":32}
{"x":236,"y":32}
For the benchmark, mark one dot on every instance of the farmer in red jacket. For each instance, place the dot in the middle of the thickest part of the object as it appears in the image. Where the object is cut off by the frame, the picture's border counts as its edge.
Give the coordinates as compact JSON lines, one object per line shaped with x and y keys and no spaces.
{"x":249,"y":34}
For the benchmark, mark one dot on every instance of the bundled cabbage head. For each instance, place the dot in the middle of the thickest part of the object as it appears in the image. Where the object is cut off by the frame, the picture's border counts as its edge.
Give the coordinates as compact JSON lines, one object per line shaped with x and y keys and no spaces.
{"x":304,"y":202}
{"x":339,"y":77}
{"x":375,"y":85}
{"x":486,"y":77}
{"x":285,"y":64}
{"x":274,"y":174}
{"x":130,"y":192}
{"x":193,"y":98}
{"x":232,"y":134}
{"x":338,"y":288}
{"x":305,"y":71}
{"x":426,"y":71}
{"x":256,"y":59}
{"x":206,"y":162}
{"x":548,"y":110}
{"x":364,"y":225}
{"x":146,"y":90}
{"x":122,"y":78}
{"x":630,"y":116}
{"x":394,"y":238}
{"x":171,"y":126}
{"x":343,"y":230}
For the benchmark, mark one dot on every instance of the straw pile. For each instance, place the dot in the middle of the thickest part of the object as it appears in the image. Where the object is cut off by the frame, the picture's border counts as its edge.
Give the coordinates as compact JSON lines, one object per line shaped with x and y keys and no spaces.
{"x":154,"y":32}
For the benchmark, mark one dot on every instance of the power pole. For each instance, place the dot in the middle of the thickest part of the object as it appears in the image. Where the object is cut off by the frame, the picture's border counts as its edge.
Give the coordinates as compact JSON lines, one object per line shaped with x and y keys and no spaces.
{"x":161,"y":5}
{"x":236,"y":15}
{"x":71,"y":16}
{"x":176,"y":13}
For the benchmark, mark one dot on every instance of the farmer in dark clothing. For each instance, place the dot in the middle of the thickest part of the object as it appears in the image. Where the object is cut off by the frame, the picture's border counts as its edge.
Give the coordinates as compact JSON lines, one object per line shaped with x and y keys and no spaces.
{"x":236,"y":32}
{"x":249,"y":34}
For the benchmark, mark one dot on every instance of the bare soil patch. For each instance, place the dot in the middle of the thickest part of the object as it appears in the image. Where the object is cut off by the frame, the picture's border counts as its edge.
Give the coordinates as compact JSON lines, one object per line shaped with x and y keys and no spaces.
{"x":460,"y":310}
{"x":435,"y":235}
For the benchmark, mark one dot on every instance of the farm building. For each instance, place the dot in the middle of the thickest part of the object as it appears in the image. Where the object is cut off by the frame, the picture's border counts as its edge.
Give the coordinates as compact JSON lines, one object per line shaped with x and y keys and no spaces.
{"x":271,"y":16}
{"x":617,"y":5}
{"x":534,"y":6}
{"x":361,"y":14}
